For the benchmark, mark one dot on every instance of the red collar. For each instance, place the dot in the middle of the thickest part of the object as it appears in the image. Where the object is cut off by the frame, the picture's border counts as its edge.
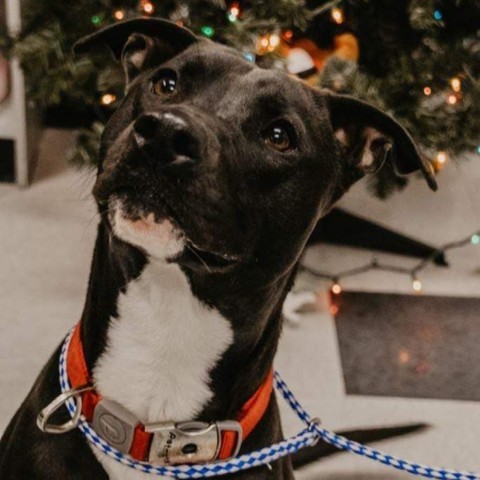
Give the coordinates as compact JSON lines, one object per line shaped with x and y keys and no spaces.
{"x":248,"y":417}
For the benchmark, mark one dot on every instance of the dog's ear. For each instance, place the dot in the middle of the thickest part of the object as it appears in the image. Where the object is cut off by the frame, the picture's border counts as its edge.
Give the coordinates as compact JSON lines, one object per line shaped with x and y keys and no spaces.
{"x":139,"y":43}
{"x":370,"y":137}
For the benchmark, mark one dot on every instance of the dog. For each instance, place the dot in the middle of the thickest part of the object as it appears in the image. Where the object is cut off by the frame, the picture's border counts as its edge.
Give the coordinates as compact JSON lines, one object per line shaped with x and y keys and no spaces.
{"x":212,"y":174}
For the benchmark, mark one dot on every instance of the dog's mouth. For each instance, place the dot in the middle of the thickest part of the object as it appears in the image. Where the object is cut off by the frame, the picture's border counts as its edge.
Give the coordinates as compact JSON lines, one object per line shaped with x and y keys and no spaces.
{"x":160,"y":232}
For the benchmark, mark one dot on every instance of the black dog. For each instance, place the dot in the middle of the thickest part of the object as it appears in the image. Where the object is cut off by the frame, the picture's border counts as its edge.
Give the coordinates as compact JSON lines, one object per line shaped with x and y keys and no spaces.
{"x":213,"y":173}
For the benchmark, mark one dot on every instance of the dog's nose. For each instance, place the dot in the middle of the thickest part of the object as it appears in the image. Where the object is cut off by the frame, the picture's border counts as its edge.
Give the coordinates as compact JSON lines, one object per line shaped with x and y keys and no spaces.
{"x":166,"y":139}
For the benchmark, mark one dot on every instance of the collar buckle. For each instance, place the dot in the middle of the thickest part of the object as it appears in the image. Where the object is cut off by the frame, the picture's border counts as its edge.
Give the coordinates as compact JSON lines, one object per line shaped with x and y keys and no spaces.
{"x":190,"y":442}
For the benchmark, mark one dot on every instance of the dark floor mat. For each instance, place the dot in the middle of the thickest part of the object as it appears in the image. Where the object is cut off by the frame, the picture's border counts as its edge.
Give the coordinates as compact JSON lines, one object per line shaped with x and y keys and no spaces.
{"x":409,"y":346}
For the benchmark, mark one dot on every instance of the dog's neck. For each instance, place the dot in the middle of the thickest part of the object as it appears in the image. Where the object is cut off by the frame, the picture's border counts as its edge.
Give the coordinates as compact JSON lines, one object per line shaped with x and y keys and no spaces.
{"x":172,"y":345}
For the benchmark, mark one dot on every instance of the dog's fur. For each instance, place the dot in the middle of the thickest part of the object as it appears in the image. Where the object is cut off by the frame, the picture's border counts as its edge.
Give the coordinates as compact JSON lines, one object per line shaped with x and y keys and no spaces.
{"x":202,"y":225}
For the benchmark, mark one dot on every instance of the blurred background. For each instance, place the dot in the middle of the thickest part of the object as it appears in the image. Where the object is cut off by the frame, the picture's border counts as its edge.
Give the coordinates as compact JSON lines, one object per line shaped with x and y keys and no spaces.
{"x":383,"y":324}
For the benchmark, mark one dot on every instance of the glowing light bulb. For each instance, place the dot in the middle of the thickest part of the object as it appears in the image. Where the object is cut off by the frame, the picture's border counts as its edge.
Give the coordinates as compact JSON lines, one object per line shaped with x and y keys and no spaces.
{"x":456,"y":84}
{"x":208,"y":31}
{"x":264,"y":42}
{"x":475,"y":239}
{"x":336,"y":288}
{"x":234,"y":12}
{"x":148,"y":7}
{"x":119,"y":14}
{"x":108,"y":99}
{"x":274,"y":40}
{"x":249,"y":56}
{"x":337,"y":15}
{"x":417,"y":285}
{"x":427,"y":91}
{"x":96,"y":20}
{"x":333,"y":310}
{"x":437,"y":15}
{"x":287,"y":35}
{"x":452,"y":99}
{"x":442,"y":157}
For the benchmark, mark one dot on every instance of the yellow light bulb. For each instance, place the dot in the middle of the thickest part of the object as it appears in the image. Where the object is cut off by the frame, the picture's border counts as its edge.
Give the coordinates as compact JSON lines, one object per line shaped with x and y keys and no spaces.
{"x":119,"y":14}
{"x":148,"y":7}
{"x":274,"y":40}
{"x":452,"y":99}
{"x":442,"y":157}
{"x":336,"y":288}
{"x":427,"y":91}
{"x":417,"y":285}
{"x":337,"y":15}
{"x":108,"y":99}
{"x":456,"y":84}
{"x":264,"y":42}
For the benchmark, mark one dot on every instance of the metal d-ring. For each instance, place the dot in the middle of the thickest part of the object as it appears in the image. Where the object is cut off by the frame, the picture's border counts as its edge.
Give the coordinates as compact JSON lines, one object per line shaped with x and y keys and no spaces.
{"x":51,"y":408}
{"x":314,"y":422}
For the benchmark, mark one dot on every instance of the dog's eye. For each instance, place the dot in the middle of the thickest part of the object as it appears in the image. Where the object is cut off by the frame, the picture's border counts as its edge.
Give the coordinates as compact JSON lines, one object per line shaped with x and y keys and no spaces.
{"x":280,"y":136}
{"x":165,"y":83}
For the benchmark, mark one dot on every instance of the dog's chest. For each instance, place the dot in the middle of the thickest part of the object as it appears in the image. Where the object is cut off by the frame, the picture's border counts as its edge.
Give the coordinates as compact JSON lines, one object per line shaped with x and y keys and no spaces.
{"x":160,"y":352}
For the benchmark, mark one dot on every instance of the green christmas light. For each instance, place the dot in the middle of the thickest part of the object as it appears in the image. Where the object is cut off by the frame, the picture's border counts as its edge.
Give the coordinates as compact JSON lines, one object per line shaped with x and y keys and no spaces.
{"x":208,"y":31}
{"x":96,"y":20}
{"x":475,"y":239}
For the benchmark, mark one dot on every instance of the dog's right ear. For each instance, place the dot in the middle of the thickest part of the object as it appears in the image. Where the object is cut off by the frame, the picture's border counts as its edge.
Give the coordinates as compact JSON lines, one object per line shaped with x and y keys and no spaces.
{"x":139,"y":43}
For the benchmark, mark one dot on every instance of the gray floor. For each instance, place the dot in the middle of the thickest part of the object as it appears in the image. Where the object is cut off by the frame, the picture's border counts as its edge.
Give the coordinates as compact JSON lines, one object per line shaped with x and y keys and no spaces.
{"x":46,"y":235}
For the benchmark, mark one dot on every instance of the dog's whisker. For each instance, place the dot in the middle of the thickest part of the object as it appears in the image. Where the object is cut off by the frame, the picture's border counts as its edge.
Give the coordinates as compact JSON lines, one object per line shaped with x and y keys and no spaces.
{"x":199,"y":257}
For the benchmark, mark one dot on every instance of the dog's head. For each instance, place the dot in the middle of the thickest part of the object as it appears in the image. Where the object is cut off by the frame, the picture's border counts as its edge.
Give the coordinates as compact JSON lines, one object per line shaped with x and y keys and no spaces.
{"x":217,"y":164}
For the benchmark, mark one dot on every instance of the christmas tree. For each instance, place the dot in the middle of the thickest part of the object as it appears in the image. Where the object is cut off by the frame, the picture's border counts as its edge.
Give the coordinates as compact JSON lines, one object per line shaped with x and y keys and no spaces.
{"x":419,"y":60}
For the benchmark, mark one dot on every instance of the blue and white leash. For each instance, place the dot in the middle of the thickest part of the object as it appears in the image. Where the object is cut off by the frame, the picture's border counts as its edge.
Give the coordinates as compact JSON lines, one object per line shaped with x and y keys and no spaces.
{"x":307,"y":437}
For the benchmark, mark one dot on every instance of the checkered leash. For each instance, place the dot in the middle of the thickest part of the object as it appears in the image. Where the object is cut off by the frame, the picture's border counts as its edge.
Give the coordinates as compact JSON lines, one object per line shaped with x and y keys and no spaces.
{"x":307,"y":437}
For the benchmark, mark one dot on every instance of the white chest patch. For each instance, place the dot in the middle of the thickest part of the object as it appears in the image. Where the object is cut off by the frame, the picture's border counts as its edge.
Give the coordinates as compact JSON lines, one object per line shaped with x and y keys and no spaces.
{"x":160,"y":352}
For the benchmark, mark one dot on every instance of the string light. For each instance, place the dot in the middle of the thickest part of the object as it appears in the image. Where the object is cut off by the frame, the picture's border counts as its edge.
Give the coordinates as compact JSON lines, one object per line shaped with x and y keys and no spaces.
{"x":442,"y":158}
{"x":268,"y":43}
{"x":274,"y":40}
{"x":417,"y":285}
{"x":108,"y":99}
{"x":234,"y":12}
{"x":478,"y":149}
{"x":148,"y":7}
{"x":337,"y":15}
{"x":456,"y":84}
{"x":452,"y":99}
{"x":249,"y":56}
{"x":437,"y":255}
{"x":208,"y":31}
{"x":437,"y":15}
{"x":427,"y":91}
{"x":288,"y":35}
{"x":119,"y":14}
{"x":96,"y":20}
{"x":333,"y":309}
{"x":336,"y":288}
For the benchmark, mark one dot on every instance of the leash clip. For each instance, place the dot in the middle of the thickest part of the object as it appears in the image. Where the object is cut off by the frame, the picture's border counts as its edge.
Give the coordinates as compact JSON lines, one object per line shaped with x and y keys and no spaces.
{"x":52,"y":407}
{"x":190,"y":442}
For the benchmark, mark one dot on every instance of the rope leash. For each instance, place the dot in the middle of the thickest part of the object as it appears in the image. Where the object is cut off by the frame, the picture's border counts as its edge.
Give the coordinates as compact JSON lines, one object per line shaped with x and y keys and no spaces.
{"x":263,"y":457}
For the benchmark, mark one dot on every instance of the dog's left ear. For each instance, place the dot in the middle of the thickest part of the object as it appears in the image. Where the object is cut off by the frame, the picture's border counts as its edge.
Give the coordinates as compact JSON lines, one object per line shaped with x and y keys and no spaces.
{"x":370,"y":137}
{"x":139,"y":43}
